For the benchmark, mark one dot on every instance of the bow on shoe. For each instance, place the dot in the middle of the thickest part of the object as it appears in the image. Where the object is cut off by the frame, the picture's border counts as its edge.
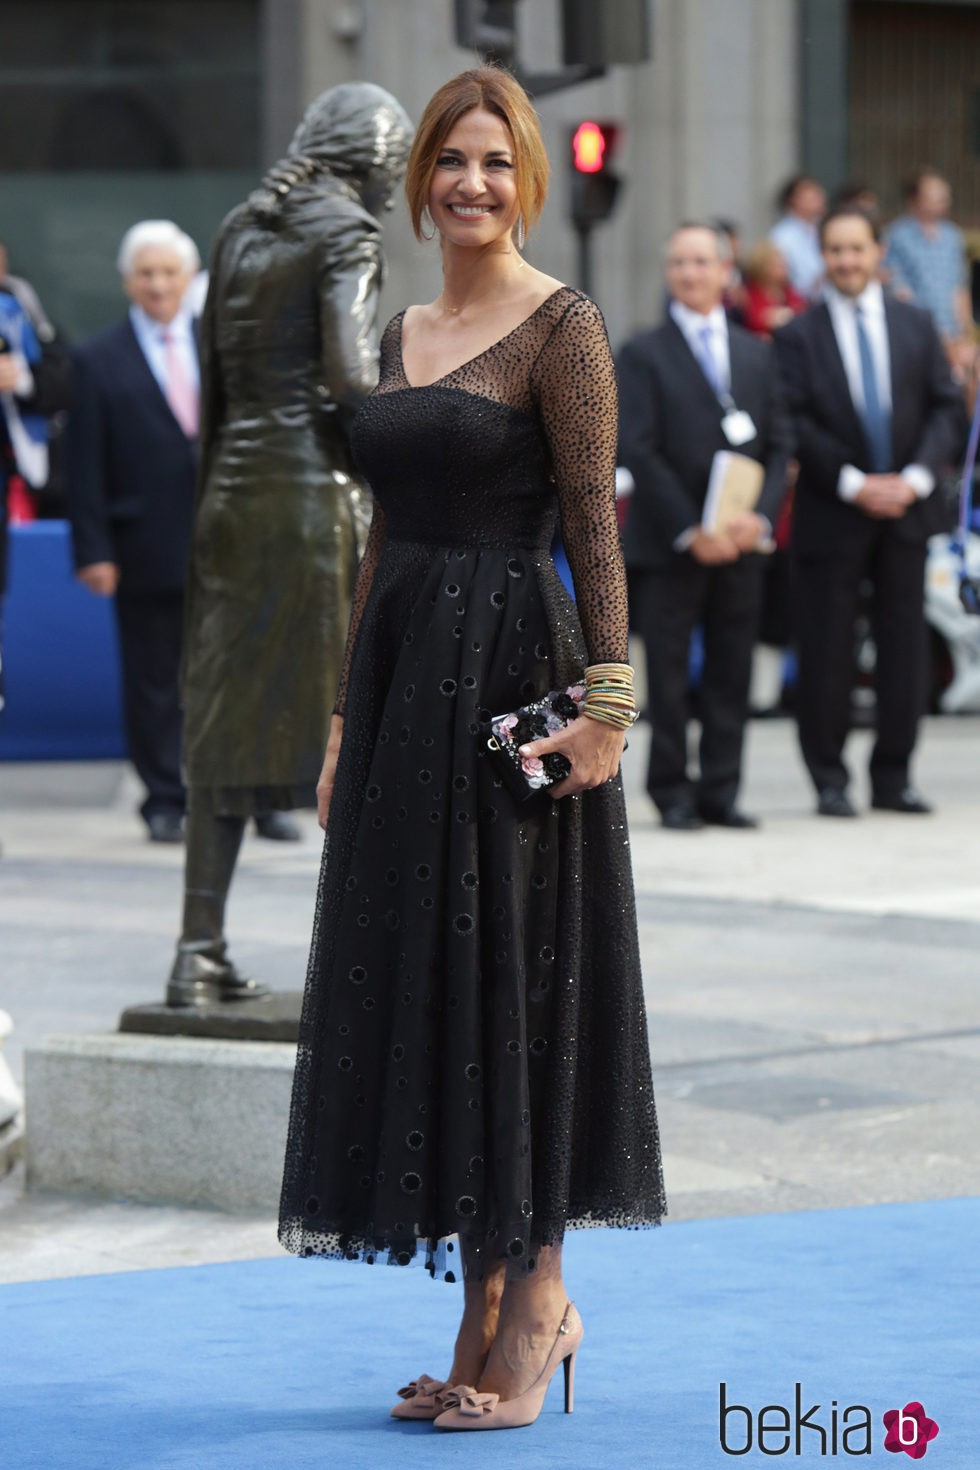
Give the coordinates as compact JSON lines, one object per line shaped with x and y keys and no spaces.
{"x":423,"y":1391}
{"x":468,"y":1401}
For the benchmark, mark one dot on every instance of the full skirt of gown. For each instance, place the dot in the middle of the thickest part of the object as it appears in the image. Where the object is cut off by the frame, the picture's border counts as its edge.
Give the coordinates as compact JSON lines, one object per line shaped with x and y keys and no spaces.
{"x":473,"y":1058}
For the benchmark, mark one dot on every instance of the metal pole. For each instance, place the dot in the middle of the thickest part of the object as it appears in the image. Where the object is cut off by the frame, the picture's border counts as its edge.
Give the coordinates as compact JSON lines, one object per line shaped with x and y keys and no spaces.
{"x":584,"y":233}
{"x":823,"y":103}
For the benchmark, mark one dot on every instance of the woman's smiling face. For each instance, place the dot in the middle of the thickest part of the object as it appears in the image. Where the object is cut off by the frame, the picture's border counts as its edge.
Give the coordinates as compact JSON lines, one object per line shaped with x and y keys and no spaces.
{"x":473,"y":193}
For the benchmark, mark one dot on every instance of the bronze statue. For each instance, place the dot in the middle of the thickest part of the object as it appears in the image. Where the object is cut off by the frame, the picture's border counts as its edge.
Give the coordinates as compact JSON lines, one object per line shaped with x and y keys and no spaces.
{"x":288,"y":352}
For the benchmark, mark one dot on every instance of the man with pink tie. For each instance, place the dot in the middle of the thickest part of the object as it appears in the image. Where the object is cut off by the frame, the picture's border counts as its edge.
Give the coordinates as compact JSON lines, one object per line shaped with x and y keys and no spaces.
{"x":131,"y":468}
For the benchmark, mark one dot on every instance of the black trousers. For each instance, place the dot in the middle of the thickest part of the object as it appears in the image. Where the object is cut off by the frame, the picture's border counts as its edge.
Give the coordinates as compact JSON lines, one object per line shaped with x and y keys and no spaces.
{"x":150,"y":632}
{"x":827,"y":601}
{"x":667,"y":606}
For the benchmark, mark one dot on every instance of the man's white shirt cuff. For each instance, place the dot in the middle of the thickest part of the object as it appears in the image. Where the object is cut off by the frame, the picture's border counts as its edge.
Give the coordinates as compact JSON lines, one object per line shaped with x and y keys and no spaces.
{"x":850,"y":482}
{"x":922,"y":480}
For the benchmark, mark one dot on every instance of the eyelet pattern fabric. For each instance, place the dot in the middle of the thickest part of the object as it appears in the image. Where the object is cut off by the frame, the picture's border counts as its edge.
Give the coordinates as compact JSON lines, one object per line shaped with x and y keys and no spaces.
{"x":498,"y":1087}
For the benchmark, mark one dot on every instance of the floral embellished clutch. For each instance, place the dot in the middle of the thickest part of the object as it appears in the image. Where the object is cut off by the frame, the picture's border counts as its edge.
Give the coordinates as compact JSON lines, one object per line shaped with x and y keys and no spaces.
{"x":525,"y":776}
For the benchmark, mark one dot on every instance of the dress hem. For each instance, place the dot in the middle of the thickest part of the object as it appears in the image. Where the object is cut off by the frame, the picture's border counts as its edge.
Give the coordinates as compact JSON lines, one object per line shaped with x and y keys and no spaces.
{"x":442,"y":1253}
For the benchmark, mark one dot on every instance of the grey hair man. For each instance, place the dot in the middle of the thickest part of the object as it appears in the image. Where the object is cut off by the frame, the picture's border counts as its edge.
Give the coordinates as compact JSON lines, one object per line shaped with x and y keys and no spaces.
{"x":131,"y":462}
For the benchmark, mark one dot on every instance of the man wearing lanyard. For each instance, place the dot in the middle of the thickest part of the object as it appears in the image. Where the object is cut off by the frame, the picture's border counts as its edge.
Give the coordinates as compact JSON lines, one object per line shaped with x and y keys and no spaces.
{"x":877,"y":418}
{"x":688,"y":389}
{"x":131,"y":467}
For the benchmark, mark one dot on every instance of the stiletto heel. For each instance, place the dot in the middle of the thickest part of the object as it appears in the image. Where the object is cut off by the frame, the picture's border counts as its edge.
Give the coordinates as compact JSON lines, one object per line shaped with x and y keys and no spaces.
{"x":467,"y":1408}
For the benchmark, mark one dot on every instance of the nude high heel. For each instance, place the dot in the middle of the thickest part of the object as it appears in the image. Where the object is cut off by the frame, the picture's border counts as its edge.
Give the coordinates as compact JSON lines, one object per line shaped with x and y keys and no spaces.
{"x":467,"y":1408}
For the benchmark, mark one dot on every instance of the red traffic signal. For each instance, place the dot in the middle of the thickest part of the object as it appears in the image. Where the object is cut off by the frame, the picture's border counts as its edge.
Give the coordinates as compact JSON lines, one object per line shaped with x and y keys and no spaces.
{"x":588,"y":148}
{"x":594,"y":186}
{"x":592,"y":145}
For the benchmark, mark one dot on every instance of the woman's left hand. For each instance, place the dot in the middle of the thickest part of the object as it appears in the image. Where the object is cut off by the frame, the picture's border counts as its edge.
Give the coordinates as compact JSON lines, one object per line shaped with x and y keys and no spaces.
{"x":595,"y":750}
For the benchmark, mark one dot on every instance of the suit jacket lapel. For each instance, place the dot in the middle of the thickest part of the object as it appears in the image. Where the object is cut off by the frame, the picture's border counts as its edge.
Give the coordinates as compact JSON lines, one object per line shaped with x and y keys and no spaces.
{"x":903,"y":408}
{"x":736,"y":362}
{"x":140,"y":365}
{"x":688,"y":364}
{"x":837,"y":383}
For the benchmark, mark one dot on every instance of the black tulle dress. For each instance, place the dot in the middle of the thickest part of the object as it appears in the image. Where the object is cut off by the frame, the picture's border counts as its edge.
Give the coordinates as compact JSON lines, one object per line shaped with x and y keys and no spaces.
{"x":473,"y":1053}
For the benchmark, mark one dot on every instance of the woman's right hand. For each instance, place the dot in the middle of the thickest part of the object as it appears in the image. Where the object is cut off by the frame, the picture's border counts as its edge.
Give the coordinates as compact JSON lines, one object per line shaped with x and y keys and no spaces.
{"x":324,"y":787}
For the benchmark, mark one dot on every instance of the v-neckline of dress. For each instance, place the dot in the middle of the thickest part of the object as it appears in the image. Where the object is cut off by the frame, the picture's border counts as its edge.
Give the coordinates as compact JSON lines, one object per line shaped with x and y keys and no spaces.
{"x":468,"y":362}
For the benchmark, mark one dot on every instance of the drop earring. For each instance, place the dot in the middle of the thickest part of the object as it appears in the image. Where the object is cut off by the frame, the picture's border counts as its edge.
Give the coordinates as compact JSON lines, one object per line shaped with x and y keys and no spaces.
{"x":520,"y":232}
{"x":427,"y":219}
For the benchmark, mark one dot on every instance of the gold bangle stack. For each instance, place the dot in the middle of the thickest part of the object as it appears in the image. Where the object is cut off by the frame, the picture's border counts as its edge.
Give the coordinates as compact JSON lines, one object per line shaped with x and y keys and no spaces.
{"x":609,"y":695}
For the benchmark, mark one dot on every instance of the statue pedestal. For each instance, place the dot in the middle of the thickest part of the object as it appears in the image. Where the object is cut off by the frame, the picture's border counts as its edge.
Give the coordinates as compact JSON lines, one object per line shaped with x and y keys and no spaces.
{"x":159,"y":1119}
{"x":272,"y":1017}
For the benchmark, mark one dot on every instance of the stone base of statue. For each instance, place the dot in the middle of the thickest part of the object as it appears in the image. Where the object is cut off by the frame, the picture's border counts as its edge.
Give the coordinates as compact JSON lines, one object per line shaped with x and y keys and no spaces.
{"x":273,"y":1017}
{"x":172,"y":1119}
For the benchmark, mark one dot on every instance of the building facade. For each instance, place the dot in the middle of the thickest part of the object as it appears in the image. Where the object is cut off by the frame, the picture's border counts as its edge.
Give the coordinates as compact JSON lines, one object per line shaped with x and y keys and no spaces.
{"x":112,"y":110}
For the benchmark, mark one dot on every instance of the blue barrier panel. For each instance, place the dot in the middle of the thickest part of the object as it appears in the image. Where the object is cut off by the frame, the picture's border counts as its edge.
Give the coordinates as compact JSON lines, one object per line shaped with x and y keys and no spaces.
{"x":61,"y":661}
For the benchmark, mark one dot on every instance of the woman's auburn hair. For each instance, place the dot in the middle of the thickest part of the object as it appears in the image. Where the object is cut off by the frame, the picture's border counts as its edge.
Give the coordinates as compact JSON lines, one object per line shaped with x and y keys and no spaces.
{"x":494,"y":90}
{"x":760,"y":259}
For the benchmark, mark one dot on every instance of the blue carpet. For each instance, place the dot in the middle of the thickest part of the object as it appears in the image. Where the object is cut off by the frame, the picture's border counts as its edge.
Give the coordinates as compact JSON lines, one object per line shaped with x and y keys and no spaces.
{"x":286,"y":1363}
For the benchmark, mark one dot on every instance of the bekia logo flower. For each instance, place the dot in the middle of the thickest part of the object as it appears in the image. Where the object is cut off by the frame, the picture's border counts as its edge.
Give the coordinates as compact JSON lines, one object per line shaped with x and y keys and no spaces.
{"x":909,"y":1429}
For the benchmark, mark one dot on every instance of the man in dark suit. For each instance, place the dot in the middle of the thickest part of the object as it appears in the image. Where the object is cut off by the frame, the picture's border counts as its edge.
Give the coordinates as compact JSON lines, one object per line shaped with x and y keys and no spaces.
{"x":692,"y":387}
{"x":877,"y":418}
{"x":131,"y":466}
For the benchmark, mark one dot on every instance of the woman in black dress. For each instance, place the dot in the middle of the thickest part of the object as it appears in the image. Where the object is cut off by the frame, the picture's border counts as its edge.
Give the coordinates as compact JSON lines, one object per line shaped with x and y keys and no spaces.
{"x":473,"y":1069}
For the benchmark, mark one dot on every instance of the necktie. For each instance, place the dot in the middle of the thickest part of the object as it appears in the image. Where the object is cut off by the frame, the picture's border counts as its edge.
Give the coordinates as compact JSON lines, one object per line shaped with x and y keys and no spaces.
{"x":181,"y":393}
{"x":706,"y":358}
{"x":875,"y":418}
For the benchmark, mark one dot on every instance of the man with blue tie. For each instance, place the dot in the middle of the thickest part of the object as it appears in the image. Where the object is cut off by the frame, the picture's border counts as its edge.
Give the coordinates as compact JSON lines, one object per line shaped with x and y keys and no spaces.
{"x":877,"y":418}
{"x":131,"y":465}
{"x":690,"y":388}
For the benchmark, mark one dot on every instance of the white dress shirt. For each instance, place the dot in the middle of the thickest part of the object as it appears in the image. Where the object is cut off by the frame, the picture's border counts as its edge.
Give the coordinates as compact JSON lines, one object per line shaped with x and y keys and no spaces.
{"x":150,"y":336}
{"x":844,"y":321}
{"x":693,"y":323}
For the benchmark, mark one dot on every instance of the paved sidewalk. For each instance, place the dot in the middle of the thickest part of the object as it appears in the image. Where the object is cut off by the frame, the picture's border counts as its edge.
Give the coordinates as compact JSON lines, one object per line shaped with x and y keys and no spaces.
{"x":812,"y":988}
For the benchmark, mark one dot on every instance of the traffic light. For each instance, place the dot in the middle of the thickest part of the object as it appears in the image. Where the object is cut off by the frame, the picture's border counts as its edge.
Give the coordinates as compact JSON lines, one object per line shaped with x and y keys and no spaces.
{"x":594,"y":186}
{"x":604,"y":32}
{"x":487,"y":26}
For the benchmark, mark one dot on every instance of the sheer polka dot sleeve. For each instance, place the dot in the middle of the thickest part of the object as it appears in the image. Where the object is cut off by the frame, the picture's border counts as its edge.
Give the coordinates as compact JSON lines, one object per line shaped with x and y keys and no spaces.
{"x":575,"y":386}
